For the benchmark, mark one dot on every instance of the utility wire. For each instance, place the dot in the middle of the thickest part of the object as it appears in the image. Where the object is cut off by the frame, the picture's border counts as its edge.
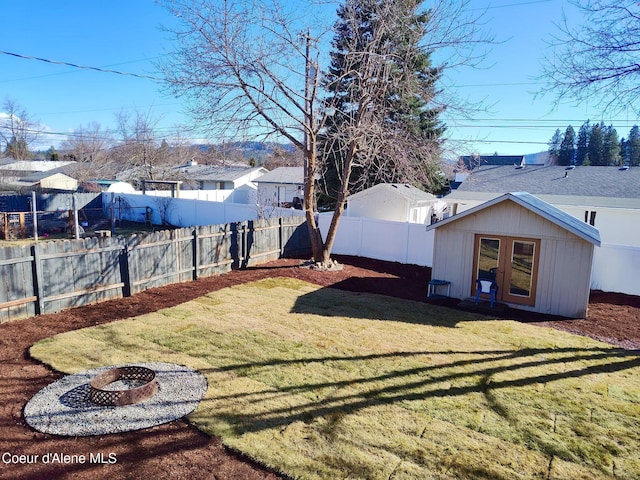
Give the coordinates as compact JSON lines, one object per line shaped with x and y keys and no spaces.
{"x":84,"y":67}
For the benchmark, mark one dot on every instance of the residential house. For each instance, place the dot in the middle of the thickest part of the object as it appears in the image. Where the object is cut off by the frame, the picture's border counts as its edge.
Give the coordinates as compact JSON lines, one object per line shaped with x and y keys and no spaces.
{"x":605,"y":197}
{"x":282,"y":187}
{"x":214,"y":177}
{"x":50,"y":181}
{"x":43,"y":175}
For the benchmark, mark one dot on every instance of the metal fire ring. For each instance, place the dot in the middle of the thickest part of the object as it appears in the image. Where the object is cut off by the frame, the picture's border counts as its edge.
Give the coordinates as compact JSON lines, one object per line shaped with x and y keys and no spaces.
{"x":136,"y":374}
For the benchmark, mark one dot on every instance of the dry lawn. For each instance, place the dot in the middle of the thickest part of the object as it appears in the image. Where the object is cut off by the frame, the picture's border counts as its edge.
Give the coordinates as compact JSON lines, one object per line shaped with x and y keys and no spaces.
{"x":324,"y":383}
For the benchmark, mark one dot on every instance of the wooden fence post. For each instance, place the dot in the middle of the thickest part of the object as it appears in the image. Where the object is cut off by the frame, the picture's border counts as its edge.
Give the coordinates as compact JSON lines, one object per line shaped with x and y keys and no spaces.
{"x":280,"y":236}
{"x":196,"y":255}
{"x":38,"y":288}
{"x":125,"y":272}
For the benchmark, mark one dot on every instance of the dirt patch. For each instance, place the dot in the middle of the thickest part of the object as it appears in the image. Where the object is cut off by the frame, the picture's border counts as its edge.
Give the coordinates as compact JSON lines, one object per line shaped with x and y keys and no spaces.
{"x":177,"y":450}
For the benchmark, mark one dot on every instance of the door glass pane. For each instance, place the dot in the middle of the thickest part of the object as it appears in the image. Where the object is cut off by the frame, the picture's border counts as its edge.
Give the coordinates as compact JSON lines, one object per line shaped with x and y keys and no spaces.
{"x":521,"y":268}
{"x":488,"y":258}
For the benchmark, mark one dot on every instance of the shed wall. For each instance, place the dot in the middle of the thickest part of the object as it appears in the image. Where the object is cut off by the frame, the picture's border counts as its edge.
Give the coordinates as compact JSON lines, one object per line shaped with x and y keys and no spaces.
{"x":380,"y":206}
{"x":564,"y":268}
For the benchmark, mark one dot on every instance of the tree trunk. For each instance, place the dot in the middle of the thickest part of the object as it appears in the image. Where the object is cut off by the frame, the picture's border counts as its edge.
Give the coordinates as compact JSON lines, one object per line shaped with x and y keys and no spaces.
{"x":318,"y":250}
{"x":341,"y":200}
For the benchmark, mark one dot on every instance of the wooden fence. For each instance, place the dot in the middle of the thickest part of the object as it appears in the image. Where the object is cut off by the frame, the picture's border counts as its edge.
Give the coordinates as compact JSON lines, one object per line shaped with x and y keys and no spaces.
{"x":48,"y":277}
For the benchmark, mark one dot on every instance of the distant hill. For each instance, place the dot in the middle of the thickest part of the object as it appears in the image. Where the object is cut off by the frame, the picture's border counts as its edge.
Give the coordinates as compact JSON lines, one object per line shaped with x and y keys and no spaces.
{"x":260,"y":151}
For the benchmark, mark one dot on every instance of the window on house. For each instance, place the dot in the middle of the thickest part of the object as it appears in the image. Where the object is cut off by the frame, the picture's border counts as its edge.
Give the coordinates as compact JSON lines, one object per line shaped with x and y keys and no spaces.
{"x":590,"y":217}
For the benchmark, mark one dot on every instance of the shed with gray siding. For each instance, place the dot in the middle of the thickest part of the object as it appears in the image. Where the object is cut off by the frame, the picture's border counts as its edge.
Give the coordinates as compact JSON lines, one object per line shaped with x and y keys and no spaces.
{"x":539,"y":256}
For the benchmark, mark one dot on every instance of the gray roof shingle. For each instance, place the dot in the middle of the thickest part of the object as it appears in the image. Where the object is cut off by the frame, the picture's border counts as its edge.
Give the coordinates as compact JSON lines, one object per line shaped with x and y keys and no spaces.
{"x":554,"y":180}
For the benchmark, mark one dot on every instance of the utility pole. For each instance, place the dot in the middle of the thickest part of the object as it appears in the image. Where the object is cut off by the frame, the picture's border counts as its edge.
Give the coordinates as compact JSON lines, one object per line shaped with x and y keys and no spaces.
{"x":310,"y":80}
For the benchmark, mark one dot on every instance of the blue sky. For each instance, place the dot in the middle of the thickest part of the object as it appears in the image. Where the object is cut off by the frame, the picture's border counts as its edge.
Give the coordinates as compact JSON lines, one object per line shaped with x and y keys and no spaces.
{"x":123,"y":35}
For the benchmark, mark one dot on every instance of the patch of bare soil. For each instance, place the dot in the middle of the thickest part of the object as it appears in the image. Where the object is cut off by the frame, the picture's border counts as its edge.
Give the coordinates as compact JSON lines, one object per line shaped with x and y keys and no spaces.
{"x":177,"y":450}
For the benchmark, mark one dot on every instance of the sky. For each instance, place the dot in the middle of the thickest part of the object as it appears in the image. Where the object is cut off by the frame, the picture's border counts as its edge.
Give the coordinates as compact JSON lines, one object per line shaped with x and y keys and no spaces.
{"x":124,"y":36}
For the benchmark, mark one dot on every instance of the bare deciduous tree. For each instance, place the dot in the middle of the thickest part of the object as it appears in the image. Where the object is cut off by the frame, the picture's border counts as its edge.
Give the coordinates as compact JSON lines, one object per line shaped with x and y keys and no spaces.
{"x":89,"y":147}
{"x":140,"y":146}
{"x":252,"y":68}
{"x":598,"y":60}
{"x":17,"y":130}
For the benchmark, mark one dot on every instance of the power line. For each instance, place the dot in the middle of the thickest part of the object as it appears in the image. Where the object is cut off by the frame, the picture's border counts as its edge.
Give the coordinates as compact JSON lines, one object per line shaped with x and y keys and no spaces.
{"x":84,"y":67}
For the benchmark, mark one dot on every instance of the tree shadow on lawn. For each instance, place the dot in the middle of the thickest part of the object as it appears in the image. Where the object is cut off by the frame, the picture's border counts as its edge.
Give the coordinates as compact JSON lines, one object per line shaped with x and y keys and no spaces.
{"x":421,"y":382}
{"x":363,"y":298}
{"x":415,"y":290}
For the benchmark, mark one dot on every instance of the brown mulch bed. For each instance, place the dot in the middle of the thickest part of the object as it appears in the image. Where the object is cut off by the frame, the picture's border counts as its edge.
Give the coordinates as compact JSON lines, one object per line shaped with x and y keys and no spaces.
{"x":177,"y":450}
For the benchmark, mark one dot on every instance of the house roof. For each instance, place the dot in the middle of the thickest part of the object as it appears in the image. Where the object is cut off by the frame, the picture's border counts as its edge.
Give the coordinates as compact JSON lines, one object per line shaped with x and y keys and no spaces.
{"x":474,"y":161}
{"x":284,"y":175}
{"x":409,"y":192}
{"x":607,"y":186}
{"x":538,"y":206}
{"x":218,"y":173}
{"x":9,"y":164}
{"x":37,"y":176}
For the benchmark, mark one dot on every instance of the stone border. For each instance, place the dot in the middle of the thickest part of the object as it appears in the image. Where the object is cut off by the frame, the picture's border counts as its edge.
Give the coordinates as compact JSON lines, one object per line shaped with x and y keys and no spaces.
{"x":64,"y":407}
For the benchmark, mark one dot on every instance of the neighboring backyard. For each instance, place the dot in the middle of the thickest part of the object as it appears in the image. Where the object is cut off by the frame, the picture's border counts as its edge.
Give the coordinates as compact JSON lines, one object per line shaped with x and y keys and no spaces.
{"x":344,"y":383}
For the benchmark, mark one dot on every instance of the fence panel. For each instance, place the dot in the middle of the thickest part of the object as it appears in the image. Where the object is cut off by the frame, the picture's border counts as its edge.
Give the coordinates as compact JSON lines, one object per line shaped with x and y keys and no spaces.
{"x":17,"y":296}
{"x":382,"y":239}
{"x":262,"y":241}
{"x":615,"y":269}
{"x":215,"y":249}
{"x":52,"y":276}
{"x":295,"y":237}
{"x":79,"y":272}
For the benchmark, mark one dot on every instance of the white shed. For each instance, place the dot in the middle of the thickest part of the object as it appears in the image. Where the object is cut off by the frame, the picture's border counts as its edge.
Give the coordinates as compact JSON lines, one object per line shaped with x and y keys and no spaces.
{"x":397,"y":202}
{"x":539,"y":256}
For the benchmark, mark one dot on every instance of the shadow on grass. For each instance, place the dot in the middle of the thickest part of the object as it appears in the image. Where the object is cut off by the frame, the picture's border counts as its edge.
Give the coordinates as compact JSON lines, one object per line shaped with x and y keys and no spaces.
{"x":421,"y":382}
{"x":364,"y":300}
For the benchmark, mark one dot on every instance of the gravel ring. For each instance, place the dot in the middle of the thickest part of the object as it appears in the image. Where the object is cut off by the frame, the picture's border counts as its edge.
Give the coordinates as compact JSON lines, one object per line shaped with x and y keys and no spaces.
{"x":64,"y":408}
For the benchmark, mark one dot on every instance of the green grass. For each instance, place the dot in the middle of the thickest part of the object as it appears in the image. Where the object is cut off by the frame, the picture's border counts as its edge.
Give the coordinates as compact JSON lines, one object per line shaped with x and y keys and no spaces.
{"x":323,"y":383}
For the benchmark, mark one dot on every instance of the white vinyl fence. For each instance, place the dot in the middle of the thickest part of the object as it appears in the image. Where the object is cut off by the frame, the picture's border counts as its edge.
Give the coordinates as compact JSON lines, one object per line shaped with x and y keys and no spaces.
{"x":616,"y":268}
{"x":381,"y":239}
{"x":180,"y":212}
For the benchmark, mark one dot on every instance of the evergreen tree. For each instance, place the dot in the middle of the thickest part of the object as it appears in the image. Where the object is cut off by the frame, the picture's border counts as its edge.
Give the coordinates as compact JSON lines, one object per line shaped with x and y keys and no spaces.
{"x":624,"y":151}
{"x":406,"y":102}
{"x":17,"y":148}
{"x":52,"y":154}
{"x":596,"y":145}
{"x":633,"y":146}
{"x":567,"y":147}
{"x":582,"y":144}
{"x":554,"y":146}
{"x":611,"y":146}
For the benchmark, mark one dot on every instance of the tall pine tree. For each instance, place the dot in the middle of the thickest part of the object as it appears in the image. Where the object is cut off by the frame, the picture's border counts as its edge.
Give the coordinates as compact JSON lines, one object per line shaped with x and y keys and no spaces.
{"x":582,"y":144}
{"x":554,"y":146}
{"x":611,"y":146}
{"x":633,"y":146}
{"x":596,"y":145}
{"x":399,"y":138}
{"x":567,"y":147}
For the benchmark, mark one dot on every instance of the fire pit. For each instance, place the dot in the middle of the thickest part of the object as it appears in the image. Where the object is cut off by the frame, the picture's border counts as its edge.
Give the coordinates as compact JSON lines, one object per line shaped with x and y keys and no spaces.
{"x":82,"y":404}
{"x":140,"y":380}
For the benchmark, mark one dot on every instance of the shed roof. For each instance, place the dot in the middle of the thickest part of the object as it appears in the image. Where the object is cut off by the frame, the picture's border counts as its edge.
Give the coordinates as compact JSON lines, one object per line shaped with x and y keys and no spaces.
{"x":409,"y":192}
{"x":538,"y":206}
